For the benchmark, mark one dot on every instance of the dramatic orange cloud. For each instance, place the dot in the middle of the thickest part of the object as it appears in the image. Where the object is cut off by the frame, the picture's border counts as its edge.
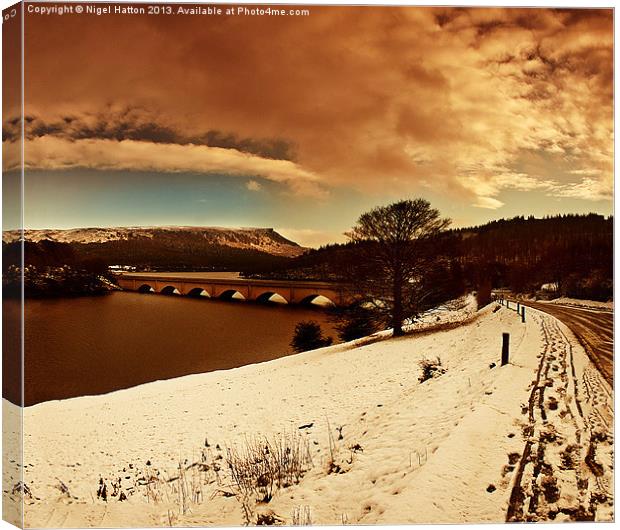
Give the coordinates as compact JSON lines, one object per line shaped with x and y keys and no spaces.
{"x":49,"y":152}
{"x":467,"y":102}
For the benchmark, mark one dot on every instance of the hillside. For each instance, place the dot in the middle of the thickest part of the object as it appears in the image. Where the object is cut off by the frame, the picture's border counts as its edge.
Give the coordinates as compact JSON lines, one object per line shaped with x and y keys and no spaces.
{"x":173,"y":247}
{"x":260,"y":239}
{"x":574,"y":251}
{"x":374,"y":445}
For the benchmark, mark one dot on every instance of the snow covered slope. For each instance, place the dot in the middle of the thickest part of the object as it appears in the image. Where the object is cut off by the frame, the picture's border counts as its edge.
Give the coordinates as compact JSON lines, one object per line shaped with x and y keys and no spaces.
{"x":531,"y":440}
{"x":260,"y":239}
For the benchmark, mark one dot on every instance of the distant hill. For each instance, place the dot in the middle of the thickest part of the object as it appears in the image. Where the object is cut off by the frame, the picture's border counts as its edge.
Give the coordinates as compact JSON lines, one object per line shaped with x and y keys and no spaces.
{"x":260,"y":239}
{"x":170,"y":247}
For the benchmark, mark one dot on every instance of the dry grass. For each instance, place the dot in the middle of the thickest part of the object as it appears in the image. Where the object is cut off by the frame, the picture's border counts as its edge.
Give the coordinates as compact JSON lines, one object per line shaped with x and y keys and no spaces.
{"x":301,"y":516}
{"x":252,"y":472}
{"x":179,"y":491}
{"x":263,"y":465}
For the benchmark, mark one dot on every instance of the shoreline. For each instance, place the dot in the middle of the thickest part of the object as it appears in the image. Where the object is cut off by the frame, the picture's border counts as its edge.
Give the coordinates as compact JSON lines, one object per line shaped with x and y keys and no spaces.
{"x":94,"y":346}
{"x":427,"y":324}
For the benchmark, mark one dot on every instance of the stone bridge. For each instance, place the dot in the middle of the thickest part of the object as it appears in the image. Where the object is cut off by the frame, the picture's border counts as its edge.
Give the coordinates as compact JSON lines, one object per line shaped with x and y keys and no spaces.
{"x":293,"y":292}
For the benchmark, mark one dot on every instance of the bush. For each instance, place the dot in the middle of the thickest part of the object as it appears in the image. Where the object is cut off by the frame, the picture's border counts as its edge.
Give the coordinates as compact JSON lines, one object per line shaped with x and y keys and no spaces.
{"x":309,"y":336}
{"x":431,"y":368}
{"x":594,"y":286}
{"x":483,"y":294}
{"x":356,"y":322}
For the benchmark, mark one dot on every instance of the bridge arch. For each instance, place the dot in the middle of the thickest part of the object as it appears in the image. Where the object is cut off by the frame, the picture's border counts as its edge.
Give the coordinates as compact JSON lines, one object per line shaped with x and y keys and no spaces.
{"x":271,"y":297}
{"x":198,"y":292}
{"x":145,"y":288}
{"x":317,"y":300}
{"x":231,"y":295}
{"x":170,"y":290}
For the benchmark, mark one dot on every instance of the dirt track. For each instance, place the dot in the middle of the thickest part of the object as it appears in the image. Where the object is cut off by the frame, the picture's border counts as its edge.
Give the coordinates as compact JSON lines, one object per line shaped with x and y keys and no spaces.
{"x":593,"y":328}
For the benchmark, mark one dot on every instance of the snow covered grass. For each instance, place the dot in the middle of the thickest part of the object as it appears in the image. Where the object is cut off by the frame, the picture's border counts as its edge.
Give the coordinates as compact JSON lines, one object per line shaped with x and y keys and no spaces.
{"x":450,"y":315}
{"x":590,"y":304}
{"x":384,"y":448}
{"x":263,"y":465}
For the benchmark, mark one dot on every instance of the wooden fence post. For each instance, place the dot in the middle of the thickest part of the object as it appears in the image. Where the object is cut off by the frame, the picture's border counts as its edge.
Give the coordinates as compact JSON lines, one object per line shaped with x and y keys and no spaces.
{"x":522,"y":313}
{"x":505,"y":347}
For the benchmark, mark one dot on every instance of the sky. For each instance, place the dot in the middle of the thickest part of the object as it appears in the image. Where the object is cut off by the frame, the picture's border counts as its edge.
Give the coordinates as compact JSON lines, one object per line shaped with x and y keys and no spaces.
{"x":302,"y":123}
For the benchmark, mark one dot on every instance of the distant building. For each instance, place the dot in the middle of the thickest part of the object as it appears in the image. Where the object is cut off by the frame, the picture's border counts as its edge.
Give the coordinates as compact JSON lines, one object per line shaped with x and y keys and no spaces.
{"x":548,"y":291}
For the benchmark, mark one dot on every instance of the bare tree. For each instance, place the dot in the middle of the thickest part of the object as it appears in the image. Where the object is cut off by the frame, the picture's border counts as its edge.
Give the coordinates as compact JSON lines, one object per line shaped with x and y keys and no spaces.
{"x":395,"y":242}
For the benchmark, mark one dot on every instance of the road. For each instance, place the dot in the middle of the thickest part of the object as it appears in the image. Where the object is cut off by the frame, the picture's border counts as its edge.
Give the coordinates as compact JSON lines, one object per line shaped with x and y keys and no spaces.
{"x":593,"y":328}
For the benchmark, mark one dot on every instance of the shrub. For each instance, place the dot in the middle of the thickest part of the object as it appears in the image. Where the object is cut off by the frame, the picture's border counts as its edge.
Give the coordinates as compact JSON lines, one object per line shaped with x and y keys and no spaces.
{"x":483,"y":294}
{"x":595,"y":286}
{"x":431,"y":368}
{"x":356,"y":322}
{"x":309,"y":336}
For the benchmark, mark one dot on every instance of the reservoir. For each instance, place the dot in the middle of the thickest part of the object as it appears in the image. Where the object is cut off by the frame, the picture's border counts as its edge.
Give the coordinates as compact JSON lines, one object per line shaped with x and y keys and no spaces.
{"x":94,"y":345}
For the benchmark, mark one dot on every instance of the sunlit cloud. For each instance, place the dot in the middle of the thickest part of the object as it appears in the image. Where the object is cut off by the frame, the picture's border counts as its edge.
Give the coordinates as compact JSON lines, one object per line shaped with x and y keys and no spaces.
{"x":53,"y":153}
{"x":488,"y":203}
{"x":587,"y":172}
{"x":588,"y":188}
{"x":253,"y":185}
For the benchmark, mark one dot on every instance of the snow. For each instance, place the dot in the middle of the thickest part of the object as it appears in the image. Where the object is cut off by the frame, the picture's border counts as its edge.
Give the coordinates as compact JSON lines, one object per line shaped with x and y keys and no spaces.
{"x":261,"y":239}
{"x":590,"y":304}
{"x":410,"y":452}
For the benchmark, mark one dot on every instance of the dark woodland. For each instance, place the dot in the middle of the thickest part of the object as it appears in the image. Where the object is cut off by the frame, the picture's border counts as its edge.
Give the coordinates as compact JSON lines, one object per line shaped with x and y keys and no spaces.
{"x":521,"y":254}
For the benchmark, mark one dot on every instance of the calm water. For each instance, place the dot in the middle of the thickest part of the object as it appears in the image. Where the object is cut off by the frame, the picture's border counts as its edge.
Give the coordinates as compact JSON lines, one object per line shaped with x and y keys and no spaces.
{"x":94,"y":345}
